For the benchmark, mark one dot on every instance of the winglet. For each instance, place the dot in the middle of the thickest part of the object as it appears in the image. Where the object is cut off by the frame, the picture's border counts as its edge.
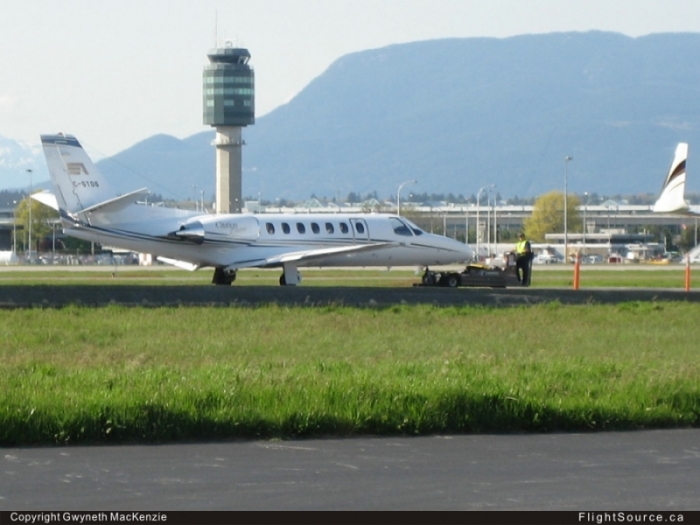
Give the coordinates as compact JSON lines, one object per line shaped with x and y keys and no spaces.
{"x":672,"y":197}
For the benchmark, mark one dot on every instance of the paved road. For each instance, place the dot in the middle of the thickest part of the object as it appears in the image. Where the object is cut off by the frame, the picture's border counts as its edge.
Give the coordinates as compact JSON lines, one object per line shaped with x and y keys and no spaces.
{"x":13,"y":296}
{"x":645,"y":470}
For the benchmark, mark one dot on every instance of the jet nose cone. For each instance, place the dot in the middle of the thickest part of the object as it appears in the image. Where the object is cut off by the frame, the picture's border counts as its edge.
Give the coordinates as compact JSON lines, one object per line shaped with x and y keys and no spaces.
{"x":462,"y":252}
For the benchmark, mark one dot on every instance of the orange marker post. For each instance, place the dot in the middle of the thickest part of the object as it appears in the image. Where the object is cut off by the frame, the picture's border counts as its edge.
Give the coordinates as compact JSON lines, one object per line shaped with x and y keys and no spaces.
{"x":577,"y":271}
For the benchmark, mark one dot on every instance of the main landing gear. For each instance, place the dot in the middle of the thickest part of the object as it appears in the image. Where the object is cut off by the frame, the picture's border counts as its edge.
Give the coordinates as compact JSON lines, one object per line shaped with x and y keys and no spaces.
{"x":223,"y":278}
{"x":290,"y":276}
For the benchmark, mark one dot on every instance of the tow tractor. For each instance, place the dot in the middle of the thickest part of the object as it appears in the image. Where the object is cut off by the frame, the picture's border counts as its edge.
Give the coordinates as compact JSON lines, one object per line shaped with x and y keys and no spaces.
{"x":475,"y":274}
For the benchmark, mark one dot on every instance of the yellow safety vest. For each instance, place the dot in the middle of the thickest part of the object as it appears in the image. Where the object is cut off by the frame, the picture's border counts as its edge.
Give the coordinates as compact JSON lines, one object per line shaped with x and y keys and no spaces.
{"x":520,"y":247}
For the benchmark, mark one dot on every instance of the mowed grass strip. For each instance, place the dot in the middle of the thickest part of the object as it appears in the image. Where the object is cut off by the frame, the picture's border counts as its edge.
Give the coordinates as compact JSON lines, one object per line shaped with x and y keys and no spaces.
{"x":556,"y":276}
{"x":118,"y":374}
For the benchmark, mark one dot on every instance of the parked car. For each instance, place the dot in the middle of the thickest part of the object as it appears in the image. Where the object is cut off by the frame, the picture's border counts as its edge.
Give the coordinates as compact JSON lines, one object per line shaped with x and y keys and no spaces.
{"x":546,"y":258}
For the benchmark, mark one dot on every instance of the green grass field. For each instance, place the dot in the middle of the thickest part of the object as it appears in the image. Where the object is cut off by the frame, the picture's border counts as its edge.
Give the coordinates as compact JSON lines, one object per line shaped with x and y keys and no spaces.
{"x":119,"y":374}
{"x":543,"y":277}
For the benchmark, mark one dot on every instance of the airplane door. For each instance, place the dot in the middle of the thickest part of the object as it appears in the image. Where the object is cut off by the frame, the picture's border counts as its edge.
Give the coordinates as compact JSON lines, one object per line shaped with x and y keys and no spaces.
{"x":359,"y":229}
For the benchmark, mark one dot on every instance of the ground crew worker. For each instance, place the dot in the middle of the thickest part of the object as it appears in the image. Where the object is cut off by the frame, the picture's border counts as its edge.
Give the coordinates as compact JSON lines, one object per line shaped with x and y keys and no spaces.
{"x":523,"y":260}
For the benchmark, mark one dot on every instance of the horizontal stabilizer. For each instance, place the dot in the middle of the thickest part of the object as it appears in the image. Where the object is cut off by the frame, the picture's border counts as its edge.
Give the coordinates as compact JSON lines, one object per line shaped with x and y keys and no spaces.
{"x":47,"y":198}
{"x":117,"y":203}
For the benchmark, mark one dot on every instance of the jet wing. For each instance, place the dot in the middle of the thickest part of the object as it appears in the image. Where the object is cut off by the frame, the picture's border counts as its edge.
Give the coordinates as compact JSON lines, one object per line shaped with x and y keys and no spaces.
{"x":179,"y":264}
{"x":309,"y":255}
{"x":279,"y":260}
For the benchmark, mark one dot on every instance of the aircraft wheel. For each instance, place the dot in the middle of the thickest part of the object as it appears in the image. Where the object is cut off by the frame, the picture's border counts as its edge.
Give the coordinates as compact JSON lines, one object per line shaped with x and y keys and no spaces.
{"x":290,"y":277}
{"x":453,"y":280}
{"x":223,"y":278}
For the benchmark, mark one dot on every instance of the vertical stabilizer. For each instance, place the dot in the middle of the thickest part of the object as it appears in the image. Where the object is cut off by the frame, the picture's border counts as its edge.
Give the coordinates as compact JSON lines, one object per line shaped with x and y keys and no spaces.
{"x":77,"y":181}
{"x":672,"y":197}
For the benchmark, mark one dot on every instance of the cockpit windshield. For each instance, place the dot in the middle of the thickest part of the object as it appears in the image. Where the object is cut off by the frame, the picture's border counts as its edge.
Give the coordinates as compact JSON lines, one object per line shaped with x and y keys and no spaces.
{"x":405,"y":227}
{"x":416,"y":229}
{"x":400,"y":228}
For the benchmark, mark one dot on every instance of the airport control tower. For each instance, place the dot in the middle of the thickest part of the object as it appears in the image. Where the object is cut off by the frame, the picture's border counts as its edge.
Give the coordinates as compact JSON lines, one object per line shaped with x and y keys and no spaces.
{"x":229,"y":104}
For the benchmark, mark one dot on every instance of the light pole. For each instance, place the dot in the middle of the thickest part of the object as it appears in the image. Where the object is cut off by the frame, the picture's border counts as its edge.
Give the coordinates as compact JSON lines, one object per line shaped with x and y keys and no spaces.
{"x":585,"y":205}
{"x":30,"y":215}
{"x":466,"y":225}
{"x":52,"y":224}
{"x":14,"y":229}
{"x":495,"y":225}
{"x":566,"y":211}
{"x":398,"y":195}
{"x":478,"y":224}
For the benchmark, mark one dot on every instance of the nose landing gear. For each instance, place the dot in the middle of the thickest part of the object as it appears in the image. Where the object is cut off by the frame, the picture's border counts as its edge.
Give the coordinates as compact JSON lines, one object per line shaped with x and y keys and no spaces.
{"x":223,"y":278}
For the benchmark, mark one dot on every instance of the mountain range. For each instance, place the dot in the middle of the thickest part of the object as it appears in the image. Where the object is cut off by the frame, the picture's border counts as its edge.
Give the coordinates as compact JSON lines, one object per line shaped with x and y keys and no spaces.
{"x":15,"y":159}
{"x":457,"y":115}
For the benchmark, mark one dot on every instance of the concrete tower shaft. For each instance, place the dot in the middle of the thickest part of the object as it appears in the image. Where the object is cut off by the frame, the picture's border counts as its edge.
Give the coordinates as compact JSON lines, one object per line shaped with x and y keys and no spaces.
{"x":229,"y":105}
{"x":229,"y":167}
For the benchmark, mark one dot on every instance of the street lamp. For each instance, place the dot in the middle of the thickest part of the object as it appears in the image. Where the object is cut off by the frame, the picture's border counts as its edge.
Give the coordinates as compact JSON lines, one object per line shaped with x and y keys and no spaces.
{"x":585,"y":205}
{"x":495,"y":224}
{"x":488,"y":219}
{"x":466,"y":225}
{"x":478,"y":227}
{"x":14,"y":229}
{"x":398,"y":195}
{"x":30,"y":215}
{"x":566,"y":211}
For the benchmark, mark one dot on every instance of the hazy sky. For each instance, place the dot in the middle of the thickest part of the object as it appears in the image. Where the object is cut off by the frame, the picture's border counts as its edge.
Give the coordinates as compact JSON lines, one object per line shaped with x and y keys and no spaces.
{"x":116,"y":72}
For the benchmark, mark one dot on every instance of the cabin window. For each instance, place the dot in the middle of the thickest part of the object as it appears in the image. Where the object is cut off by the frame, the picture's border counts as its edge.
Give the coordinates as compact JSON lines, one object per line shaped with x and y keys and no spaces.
{"x":270,"y":228}
{"x":400,"y":228}
{"x":344,"y":227}
{"x":315,"y":228}
{"x":329,"y":228}
{"x":359,"y":227}
{"x":301,"y":228}
{"x":285,"y":227}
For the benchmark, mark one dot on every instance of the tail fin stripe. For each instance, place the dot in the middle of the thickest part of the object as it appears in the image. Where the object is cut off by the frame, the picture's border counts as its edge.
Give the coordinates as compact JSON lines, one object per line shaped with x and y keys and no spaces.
{"x":678,"y":171}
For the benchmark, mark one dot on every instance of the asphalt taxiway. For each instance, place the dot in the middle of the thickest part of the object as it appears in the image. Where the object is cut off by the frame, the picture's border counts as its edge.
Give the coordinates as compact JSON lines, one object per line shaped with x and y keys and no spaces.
{"x":43,"y":295}
{"x":646,"y":470}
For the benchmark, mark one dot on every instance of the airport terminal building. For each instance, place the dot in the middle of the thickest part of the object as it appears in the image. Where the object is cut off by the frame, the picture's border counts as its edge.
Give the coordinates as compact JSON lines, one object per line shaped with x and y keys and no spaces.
{"x":611,"y":228}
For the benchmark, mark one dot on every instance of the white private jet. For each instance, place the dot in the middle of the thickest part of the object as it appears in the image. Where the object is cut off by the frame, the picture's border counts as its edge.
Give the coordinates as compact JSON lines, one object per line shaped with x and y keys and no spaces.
{"x":672,"y":197}
{"x":90,"y":210}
